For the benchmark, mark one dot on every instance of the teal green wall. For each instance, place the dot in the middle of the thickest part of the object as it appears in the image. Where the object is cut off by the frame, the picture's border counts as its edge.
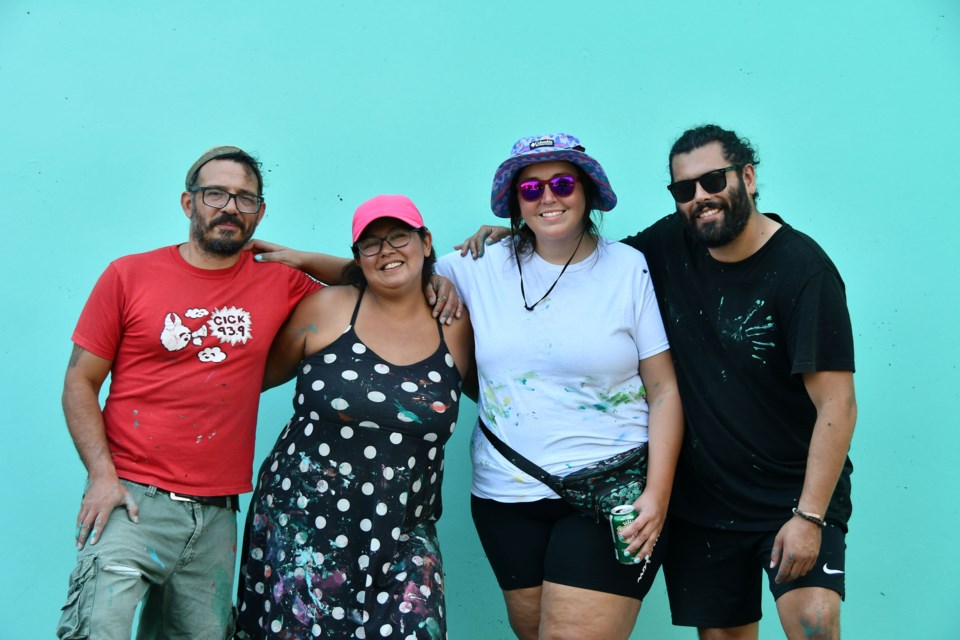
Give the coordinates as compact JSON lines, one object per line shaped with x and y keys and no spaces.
{"x":854,"y":107}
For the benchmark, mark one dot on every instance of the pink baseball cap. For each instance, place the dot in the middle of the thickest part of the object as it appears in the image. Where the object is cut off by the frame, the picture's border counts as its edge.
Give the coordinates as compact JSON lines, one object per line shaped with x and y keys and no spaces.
{"x":386,"y":206}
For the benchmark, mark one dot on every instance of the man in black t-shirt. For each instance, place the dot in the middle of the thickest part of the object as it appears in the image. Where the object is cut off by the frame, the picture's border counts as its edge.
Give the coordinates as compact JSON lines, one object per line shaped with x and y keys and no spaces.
{"x":759,"y":330}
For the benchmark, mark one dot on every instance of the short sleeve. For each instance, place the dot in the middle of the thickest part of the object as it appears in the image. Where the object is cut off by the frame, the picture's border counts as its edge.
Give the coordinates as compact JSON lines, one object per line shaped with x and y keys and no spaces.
{"x":99,"y":328}
{"x":821,"y":337}
{"x":651,"y":335}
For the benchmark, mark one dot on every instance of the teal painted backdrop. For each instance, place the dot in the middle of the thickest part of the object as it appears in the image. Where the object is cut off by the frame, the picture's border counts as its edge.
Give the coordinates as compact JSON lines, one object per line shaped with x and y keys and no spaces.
{"x":854,"y":107}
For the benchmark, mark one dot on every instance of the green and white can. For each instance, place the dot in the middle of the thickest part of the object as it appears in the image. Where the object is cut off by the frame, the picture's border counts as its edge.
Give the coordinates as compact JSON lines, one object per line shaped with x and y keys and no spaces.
{"x":619,"y":518}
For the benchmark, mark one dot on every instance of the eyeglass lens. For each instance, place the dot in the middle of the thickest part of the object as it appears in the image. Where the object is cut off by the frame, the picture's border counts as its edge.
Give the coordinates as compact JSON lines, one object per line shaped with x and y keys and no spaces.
{"x":370,"y":246}
{"x":532,"y":190}
{"x":218,"y":199}
{"x":712,"y":182}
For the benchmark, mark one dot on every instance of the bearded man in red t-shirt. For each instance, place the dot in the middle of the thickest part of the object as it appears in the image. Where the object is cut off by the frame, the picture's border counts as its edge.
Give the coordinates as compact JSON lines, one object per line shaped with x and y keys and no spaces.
{"x":184,"y":332}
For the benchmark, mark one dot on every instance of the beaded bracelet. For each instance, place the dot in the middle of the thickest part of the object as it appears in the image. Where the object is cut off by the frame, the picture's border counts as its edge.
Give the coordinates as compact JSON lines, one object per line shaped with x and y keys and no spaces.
{"x":810,"y":517}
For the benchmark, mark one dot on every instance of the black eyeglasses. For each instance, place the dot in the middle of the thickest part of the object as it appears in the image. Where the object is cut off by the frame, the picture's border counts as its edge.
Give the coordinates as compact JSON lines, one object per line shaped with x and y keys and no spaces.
{"x":712,"y":182}
{"x":371,"y":245}
{"x":218,"y":198}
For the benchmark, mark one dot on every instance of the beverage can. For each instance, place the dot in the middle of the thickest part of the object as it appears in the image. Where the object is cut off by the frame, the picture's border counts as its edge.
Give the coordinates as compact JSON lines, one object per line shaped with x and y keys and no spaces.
{"x":619,"y":518}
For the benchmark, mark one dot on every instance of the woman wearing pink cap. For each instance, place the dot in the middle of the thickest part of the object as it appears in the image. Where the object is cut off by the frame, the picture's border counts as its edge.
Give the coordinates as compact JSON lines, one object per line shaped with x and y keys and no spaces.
{"x":340,"y":539}
{"x":574,"y":368}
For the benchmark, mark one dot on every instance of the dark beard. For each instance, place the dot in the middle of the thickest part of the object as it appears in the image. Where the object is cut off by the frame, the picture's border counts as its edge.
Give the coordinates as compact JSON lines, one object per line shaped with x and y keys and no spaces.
{"x":214,"y":244}
{"x":735,"y":218}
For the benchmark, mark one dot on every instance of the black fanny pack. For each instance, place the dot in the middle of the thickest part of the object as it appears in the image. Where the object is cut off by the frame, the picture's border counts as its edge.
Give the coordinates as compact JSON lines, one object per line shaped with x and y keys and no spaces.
{"x":594,"y":490}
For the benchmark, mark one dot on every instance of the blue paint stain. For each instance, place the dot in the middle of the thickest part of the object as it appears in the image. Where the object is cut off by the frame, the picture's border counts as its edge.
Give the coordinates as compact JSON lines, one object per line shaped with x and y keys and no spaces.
{"x":156,"y":558}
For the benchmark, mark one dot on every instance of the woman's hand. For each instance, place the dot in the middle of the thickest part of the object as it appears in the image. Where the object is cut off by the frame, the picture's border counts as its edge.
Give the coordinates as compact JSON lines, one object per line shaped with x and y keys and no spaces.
{"x":645,"y":530}
{"x":319,"y":266}
{"x":487,"y":234}
{"x":270,"y":252}
{"x":441,"y":293}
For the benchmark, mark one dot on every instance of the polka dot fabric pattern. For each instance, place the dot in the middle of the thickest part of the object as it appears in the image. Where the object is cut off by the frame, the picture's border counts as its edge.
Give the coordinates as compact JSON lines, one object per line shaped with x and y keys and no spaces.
{"x":341,"y":541}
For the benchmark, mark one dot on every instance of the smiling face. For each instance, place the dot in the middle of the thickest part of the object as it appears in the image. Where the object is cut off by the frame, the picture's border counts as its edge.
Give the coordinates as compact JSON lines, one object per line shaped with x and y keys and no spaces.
{"x":222,"y":232}
{"x":716,"y":219}
{"x":553,"y":218}
{"x":394,"y":267}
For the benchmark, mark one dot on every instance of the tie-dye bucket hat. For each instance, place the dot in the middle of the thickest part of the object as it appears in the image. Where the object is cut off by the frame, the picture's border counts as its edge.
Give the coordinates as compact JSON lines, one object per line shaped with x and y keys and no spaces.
{"x":556,"y":147}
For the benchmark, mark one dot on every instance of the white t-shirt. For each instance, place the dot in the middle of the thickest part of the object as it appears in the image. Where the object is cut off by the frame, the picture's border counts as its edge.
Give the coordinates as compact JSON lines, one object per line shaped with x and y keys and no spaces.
{"x":559,"y":384}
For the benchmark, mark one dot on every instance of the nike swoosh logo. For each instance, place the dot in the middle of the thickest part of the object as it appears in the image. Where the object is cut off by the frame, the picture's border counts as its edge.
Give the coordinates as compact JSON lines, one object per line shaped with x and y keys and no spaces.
{"x":830,"y":571}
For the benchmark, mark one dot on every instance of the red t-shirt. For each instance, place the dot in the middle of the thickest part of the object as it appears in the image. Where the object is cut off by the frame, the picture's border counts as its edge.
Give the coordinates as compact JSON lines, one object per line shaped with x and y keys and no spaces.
{"x":189,"y":347}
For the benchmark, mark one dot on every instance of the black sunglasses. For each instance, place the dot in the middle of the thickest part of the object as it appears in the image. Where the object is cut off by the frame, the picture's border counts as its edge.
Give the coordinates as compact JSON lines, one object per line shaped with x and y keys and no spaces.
{"x":712,"y":182}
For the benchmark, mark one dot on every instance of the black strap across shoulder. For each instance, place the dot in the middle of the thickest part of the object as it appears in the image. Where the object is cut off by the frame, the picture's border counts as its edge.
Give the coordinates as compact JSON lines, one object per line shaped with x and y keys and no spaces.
{"x":522,"y":463}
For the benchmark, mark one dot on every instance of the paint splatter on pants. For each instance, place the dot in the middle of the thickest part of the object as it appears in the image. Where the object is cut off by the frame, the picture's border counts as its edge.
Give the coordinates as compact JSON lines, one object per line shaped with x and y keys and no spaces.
{"x":179,"y":561}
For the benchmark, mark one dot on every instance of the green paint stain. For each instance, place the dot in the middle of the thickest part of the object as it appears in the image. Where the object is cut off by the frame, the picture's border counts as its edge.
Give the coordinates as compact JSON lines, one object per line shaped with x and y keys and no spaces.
{"x":527,"y":376}
{"x":812,"y":631}
{"x":222,"y":592}
{"x":610,"y":401}
{"x":411,"y":417}
{"x":494,"y":407}
{"x":432,"y":627}
{"x":624,"y":397}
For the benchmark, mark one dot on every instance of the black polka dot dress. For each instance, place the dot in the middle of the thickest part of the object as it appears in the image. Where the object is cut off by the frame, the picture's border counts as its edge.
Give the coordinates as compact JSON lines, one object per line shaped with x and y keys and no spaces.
{"x":340,"y":539}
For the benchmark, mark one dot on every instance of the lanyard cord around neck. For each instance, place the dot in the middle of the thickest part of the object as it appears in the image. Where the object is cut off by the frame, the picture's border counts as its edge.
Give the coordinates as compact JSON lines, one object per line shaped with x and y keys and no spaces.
{"x":523,"y":294}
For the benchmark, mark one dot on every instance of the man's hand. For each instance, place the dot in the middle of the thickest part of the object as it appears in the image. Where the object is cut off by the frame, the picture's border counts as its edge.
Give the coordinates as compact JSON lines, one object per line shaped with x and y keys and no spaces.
{"x":795,"y":548}
{"x":442,"y":295}
{"x":645,"y":530}
{"x":81,"y":385}
{"x":99,"y":501}
{"x":487,"y":234}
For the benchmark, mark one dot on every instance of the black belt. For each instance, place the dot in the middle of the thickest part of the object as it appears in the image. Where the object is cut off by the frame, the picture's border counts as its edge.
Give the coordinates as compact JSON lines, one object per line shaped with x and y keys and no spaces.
{"x":224,"y":502}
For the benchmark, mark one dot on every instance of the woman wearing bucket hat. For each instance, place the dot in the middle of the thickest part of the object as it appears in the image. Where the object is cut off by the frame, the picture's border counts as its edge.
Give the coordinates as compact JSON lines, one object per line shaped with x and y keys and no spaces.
{"x":340,"y":538}
{"x":574,"y":368}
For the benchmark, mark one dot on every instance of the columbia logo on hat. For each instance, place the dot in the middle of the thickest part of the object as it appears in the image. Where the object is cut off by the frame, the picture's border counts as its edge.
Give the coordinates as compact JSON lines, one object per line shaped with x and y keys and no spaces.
{"x":543,"y":142}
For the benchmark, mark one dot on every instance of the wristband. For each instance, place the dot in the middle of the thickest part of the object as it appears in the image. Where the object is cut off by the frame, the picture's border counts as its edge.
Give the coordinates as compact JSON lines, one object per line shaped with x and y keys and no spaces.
{"x":810,"y":517}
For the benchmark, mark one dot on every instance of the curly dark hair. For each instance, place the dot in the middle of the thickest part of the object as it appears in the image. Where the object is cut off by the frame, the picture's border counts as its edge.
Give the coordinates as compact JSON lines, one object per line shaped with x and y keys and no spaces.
{"x":352,"y":274}
{"x":736,"y":150}
{"x":525,"y":239}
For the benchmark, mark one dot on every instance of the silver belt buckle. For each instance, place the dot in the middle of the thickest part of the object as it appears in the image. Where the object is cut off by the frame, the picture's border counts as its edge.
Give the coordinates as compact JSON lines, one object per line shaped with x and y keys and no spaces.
{"x":179,"y":498}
